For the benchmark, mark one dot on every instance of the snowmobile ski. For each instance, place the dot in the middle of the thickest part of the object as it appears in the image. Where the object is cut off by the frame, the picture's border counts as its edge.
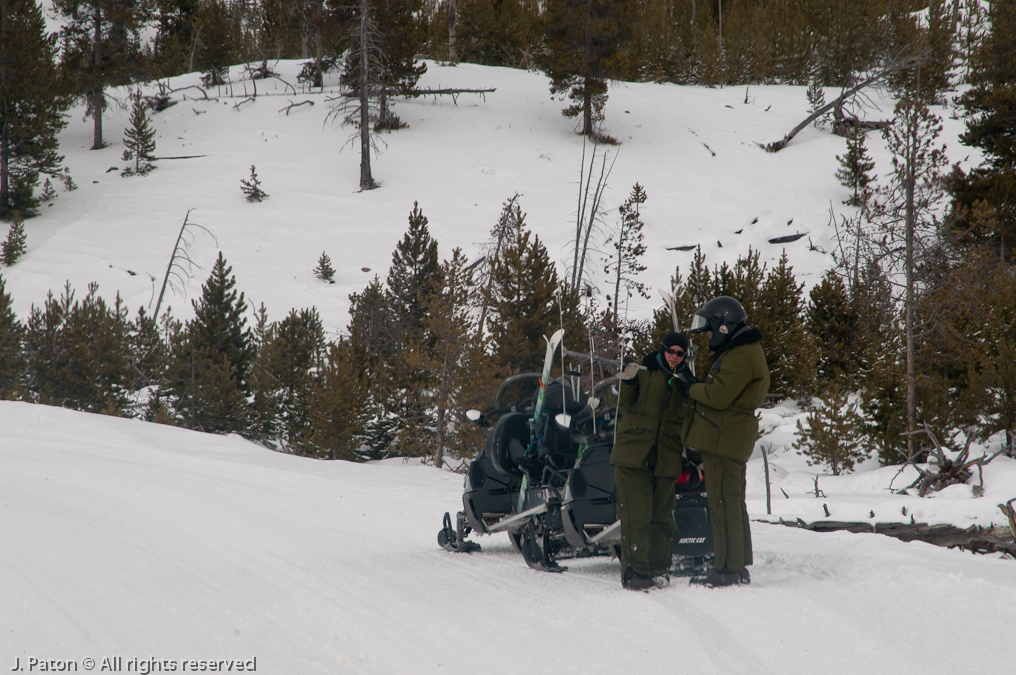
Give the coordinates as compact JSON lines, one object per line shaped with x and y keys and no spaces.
{"x":548,"y":362}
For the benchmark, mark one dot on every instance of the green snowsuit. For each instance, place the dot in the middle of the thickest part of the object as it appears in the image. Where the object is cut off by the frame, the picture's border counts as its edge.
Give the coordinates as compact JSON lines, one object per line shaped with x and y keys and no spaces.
{"x":723,"y":430}
{"x":647,"y":458}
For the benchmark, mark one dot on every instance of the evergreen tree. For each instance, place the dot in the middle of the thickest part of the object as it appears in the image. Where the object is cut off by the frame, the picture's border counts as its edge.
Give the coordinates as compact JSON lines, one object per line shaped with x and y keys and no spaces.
{"x":324,"y":270}
{"x":395,"y":41}
{"x":855,"y":169}
{"x":16,"y":243}
{"x":340,"y":405}
{"x":67,"y":366}
{"x":12,"y":357}
{"x":791,"y":351}
{"x":829,"y":436}
{"x":289,"y":359}
{"x":584,"y":47}
{"x":414,"y":265}
{"x":990,"y":105}
{"x":173,"y":46}
{"x":139,"y":138}
{"x":31,"y":107}
{"x":497,"y":33}
{"x":625,"y":263}
{"x":216,"y":42}
{"x":252,"y":187}
{"x":211,"y":358}
{"x":522,"y":300}
{"x":816,"y":98}
{"x":831,"y":319}
{"x":102,"y":48}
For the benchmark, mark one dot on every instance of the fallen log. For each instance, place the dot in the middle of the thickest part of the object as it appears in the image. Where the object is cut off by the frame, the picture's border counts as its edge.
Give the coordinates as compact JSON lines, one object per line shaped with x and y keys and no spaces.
{"x":974,"y":538}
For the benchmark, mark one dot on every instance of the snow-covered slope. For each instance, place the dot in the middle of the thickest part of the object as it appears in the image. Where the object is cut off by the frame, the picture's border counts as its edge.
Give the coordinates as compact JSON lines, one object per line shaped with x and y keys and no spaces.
{"x":695,"y":150}
{"x":124,"y":538}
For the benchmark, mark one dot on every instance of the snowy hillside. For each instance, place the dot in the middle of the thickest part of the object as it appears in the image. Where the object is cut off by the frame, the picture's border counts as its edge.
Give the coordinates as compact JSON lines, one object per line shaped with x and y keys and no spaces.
{"x":124,"y":538}
{"x":693,"y":149}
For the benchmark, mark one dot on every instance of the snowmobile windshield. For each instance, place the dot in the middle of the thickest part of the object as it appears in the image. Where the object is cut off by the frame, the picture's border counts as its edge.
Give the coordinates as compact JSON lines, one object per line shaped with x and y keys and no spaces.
{"x":698,"y":324}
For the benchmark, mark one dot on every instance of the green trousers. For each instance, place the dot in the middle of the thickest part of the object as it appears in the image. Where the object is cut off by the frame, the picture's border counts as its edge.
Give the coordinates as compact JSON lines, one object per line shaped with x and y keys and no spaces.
{"x":647,"y":520}
{"x":725,"y":487}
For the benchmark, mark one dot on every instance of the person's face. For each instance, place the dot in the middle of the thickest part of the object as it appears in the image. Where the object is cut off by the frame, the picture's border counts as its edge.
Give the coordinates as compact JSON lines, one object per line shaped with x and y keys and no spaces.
{"x":674,"y":355}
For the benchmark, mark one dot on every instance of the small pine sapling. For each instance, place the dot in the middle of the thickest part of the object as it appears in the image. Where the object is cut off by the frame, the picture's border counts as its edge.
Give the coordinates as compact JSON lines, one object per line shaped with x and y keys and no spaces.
{"x":139,"y":139}
{"x":816,"y":98}
{"x":324,"y":270}
{"x":16,"y":243}
{"x":855,"y":169}
{"x":830,"y":435}
{"x":252,"y":187}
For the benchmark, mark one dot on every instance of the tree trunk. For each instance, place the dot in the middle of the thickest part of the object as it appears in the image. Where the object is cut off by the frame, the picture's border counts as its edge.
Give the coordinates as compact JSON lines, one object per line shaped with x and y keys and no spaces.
{"x":366,"y":177}
{"x":96,"y":94}
{"x":911,"y":217}
{"x":319,"y":77}
{"x":453,"y":56}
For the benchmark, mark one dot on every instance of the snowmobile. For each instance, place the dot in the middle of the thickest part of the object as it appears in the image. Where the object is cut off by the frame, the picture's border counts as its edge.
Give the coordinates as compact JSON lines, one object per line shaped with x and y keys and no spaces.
{"x":544,"y":477}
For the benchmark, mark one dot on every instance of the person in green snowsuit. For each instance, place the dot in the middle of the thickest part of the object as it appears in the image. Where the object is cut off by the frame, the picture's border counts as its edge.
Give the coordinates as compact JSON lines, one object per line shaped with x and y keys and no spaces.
{"x":647,"y":458}
{"x":723,"y":427}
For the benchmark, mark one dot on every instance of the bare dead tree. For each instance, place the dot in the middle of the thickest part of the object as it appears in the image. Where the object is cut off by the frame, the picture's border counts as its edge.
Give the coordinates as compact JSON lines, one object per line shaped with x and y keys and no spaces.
{"x":181,"y":265}
{"x":901,"y":62}
{"x":944,"y":471}
{"x":589,"y":211}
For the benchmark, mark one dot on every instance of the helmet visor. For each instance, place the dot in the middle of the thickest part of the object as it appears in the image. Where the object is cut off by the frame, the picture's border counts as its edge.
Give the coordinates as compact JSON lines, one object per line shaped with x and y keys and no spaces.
{"x":698,"y":324}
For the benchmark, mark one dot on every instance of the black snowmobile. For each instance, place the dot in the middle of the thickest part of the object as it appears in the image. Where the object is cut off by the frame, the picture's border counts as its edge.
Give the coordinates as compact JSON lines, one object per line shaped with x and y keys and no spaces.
{"x":568,"y":508}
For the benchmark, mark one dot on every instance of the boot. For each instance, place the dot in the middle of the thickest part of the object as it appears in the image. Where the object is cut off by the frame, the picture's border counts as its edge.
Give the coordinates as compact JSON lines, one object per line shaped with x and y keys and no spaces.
{"x":745,"y":577}
{"x":633,"y":581}
{"x":717,"y":579}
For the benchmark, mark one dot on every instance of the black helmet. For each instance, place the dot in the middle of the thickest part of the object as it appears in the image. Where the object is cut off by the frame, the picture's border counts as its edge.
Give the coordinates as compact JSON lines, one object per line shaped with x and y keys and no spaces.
{"x":723,"y":316}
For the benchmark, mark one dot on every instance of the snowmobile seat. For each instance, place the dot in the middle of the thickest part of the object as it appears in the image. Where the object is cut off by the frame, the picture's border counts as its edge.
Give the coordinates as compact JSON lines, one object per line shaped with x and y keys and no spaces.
{"x":507,"y":442}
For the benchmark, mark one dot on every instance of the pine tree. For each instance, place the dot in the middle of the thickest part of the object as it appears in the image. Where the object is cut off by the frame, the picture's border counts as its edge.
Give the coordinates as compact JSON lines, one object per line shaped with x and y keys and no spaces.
{"x":16,"y":243}
{"x":173,"y":45}
{"x":414,"y":265}
{"x":31,"y":107}
{"x":990,"y":106}
{"x":67,"y":366}
{"x":324,"y":270}
{"x":522,"y":300}
{"x":829,"y":436}
{"x":216,"y":46}
{"x":252,"y":187}
{"x":12,"y":357}
{"x":626,"y":262}
{"x":139,"y":138}
{"x":584,"y":47}
{"x":831,"y":319}
{"x":211,"y":358}
{"x":102,"y":48}
{"x":855,"y":169}
{"x":339,"y":405}
{"x":816,"y":98}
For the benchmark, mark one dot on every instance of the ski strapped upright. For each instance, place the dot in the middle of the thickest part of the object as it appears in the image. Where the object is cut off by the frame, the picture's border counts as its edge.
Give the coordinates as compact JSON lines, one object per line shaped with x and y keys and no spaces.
{"x":548,"y":362}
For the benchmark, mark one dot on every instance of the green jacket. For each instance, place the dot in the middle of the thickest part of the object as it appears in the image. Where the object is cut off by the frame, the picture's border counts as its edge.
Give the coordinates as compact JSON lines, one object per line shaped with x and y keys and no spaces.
{"x":735,"y":384}
{"x":652,"y":412}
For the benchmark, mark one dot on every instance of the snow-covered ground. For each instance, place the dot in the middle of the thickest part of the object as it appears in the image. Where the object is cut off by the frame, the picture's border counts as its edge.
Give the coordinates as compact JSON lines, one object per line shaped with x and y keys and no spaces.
{"x":124,"y":538}
{"x":694,"y":150}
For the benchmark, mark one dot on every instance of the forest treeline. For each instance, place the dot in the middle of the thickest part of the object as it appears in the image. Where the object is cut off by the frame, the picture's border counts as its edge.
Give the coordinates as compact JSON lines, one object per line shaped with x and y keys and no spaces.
{"x":910,"y":336}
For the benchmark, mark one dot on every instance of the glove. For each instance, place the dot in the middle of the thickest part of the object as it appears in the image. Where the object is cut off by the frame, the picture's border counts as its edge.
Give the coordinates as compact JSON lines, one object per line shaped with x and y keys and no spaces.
{"x":629,"y":372}
{"x":684,"y":380}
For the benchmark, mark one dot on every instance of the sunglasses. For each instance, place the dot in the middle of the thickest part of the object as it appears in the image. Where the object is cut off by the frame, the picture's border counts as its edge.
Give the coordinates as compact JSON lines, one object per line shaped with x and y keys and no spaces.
{"x":675,"y":352}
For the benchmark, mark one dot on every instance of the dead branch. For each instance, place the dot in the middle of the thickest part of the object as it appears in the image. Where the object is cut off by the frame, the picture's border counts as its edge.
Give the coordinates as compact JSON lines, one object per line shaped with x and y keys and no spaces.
{"x":900,"y":63}
{"x":204,"y":94}
{"x":1010,"y":513}
{"x":249,"y":99}
{"x":945,"y":471}
{"x":295,"y":105}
